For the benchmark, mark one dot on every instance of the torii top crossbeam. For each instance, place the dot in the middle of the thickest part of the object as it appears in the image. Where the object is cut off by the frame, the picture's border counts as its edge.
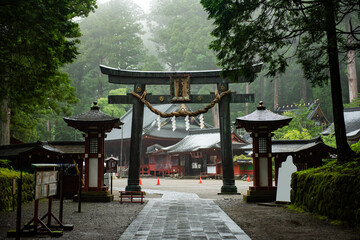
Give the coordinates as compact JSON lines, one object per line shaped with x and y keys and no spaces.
{"x":122,"y":76}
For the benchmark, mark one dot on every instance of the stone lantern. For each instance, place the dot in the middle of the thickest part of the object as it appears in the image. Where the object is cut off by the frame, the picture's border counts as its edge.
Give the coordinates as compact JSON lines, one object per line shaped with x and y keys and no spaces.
{"x":94,"y":124}
{"x":261,"y":123}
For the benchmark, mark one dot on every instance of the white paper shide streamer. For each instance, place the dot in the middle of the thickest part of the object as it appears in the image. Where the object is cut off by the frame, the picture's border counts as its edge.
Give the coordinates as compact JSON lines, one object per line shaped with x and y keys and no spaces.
{"x":158,"y":123}
{"x":187,"y":123}
{"x":173,"y":123}
{"x":201,"y":121}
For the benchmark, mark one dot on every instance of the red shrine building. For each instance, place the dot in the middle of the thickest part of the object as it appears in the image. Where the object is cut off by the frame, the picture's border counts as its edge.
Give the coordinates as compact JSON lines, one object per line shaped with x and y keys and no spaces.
{"x":199,"y":153}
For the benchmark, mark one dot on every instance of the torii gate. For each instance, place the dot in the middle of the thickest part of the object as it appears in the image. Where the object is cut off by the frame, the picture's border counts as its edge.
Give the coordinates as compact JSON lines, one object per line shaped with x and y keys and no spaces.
{"x":179,"y":82}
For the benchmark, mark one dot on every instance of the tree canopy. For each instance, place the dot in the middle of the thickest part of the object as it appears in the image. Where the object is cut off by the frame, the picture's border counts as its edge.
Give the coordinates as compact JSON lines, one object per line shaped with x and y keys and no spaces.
{"x":181,"y":32}
{"x":248,"y":32}
{"x":37,"y":38}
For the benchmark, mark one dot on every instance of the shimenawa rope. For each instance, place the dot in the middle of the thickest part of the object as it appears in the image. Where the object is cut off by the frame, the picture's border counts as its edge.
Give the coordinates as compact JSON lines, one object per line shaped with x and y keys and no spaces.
{"x":182,"y":113}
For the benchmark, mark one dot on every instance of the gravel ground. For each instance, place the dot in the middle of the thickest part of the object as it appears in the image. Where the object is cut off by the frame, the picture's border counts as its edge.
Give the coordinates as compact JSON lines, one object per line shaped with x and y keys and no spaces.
{"x":270,"y":222}
{"x":96,"y":220}
{"x":109,"y":220}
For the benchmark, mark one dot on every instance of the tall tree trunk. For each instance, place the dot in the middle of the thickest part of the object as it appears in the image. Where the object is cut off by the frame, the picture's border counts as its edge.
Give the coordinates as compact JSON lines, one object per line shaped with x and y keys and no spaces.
{"x":343,"y":148}
{"x":276,"y":93}
{"x":4,"y":122}
{"x":303,"y":89}
{"x":215,"y":115}
{"x":261,"y":87}
{"x":351,"y":67}
{"x":247,"y":104}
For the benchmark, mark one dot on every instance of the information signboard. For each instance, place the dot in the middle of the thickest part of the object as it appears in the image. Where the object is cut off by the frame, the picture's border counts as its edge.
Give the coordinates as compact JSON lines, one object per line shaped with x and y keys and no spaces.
{"x":111,"y":166}
{"x":45,"y":184}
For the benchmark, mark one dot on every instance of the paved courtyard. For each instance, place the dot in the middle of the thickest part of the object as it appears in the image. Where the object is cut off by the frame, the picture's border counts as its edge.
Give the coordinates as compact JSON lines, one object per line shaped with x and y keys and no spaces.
{"x":181,"y":215}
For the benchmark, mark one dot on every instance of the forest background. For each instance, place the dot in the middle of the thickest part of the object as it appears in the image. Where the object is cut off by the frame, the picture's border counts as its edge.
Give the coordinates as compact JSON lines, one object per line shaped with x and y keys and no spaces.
{"x":170,"y":35}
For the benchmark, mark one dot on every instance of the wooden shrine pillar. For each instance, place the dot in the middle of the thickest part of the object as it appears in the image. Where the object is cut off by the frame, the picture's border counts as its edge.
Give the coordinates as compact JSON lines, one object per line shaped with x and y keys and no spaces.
{"x":226,"y":142}
{"x":136,"y":141}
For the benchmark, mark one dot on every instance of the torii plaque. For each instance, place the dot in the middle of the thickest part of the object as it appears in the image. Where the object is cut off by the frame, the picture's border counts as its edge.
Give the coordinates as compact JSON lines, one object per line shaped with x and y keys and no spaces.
{"x":179,"y":92}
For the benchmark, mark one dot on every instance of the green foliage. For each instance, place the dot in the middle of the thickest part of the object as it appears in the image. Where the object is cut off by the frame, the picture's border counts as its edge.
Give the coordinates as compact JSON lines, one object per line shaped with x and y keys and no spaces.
{"x":114,"y":110}
{"x":354,"y":103}
{"x":356,"y":147}
{"x":329,"y":140}
{"x":240,"y":157}
{"x":249,"y":32}
{"x":273,"y":32}
{"x":181,"y":32}
{"x":300,"y":126}
{"x":331,"y":190}
{"x":4,"y":163}
{"x":110,"y":36}
{"x":37,"y":38}
{"x":6,"y":187}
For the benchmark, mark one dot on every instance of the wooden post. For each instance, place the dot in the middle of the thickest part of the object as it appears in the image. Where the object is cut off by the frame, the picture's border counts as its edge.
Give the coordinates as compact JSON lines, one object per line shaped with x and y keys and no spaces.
{"x":18,"y":209}
{"x":61,"y":193}
{"x":80,"y":186}
{"x":226,"y":143}
{"x":351,"y":66}
{"x":276,"y":93}
{"x":136,"y":139}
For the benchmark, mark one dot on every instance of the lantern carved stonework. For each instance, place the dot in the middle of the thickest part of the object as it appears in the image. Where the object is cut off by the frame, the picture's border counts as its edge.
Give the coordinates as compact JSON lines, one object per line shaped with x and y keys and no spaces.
{"x":261,"y":123}
{"x":94,"y":124}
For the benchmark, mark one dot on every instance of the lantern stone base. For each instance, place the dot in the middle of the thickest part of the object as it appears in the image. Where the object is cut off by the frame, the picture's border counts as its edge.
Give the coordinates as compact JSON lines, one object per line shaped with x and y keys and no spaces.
{"x":133,"y":188}
{"x":95,"y":196}
{"x":228,"y":189}
{"x":260,"y":196}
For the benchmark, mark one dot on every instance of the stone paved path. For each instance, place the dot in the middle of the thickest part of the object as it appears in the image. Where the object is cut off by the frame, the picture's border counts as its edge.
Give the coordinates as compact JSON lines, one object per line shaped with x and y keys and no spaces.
{"x":182,"y":216}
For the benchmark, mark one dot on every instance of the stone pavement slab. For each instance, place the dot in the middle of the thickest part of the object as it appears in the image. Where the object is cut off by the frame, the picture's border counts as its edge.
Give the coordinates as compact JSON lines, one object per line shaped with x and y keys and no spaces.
{"x":183,"y":216}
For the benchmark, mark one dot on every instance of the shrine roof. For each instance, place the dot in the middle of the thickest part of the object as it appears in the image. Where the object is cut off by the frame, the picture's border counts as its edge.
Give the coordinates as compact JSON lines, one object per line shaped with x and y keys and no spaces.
{"x":15,"y":150}
{"x":352,"y":123}
{"x":314,"y":107}
{"x":69,"y":147}
{"x":199,"y":139}
{"x":262,"y":118}
{"x":352,"y":119}
{"x":295,"y":146}
{"x":94,"y":117}
{"x":196,"y":140}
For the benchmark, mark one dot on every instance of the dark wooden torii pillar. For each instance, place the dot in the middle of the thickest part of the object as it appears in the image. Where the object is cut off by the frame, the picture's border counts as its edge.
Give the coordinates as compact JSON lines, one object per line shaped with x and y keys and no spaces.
{"x":142,"y":78}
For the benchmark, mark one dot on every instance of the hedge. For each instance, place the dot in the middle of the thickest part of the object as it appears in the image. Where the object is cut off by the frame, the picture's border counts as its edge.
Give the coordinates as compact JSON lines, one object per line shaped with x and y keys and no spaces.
{"x":332,"y":190}
{"x":6,"y":185}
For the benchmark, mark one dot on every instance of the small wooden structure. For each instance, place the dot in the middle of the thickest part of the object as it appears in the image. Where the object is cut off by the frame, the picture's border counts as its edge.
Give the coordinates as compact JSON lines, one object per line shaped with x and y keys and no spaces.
{"x":261,"y":123}
{"x":94,"y":124}
{"x":131,"y":197}
{"x":46,"y":186}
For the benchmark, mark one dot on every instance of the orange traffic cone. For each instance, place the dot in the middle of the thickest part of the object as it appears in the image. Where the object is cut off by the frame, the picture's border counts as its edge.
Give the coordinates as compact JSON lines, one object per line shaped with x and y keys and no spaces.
{"x":200,"y":180}
{"x":158,"y":182}
{"x":140,"y":182}
{"x":248,"y":178}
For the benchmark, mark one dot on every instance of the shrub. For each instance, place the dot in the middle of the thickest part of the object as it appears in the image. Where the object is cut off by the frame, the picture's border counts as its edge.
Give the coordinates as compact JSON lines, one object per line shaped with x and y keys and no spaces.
{"x":332,"y":190}
{"x":6,"y":185}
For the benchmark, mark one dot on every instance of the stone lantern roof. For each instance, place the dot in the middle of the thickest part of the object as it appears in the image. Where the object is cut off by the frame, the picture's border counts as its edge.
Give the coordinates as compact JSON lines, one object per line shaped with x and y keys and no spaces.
{"x":93,"y":120}
{"x":262,"y":120}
